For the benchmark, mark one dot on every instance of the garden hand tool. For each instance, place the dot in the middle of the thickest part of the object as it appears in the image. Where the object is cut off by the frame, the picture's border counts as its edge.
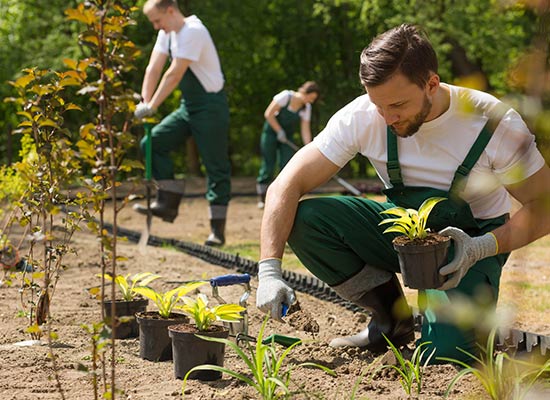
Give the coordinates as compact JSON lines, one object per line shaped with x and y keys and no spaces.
{"x":240,"y":327}
{"x":283,"y":340}
{"x":273,"y":291}
{"x":349,"y":187}
{"x":144,"y":238}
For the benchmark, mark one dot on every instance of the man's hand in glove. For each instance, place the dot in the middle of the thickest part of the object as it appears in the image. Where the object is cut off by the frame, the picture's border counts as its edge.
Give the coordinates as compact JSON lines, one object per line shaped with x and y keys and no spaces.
{"x":468,"y":251}
{"x":273,"y":291}
{"x":281,"y":136}
{"x":143,"y":110}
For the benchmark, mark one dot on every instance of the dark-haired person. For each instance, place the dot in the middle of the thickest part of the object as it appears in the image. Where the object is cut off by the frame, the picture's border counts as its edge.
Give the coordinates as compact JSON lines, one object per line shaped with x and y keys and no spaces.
{"x":194,"y":67}
{"x":288,"y":111}
{"x":425,"y":138}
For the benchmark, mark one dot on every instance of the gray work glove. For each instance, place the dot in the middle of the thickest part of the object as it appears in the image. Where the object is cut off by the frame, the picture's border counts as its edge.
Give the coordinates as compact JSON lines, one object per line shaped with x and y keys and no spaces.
{"x":468,"y":251}
{"x":281,"y":136}
{"x":143,"y":110}
{"x":273,"y":291}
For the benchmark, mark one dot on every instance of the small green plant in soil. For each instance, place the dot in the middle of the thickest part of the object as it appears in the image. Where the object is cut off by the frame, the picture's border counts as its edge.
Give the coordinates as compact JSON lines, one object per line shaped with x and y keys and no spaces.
{"x":409,"y":371}
{"x":500,"y":375}
{"x":410,"y":222}
{"x":268,"y":377}
{"x":167,"y":301}
{"x":127,"y":284}
{"x":204,"y":316}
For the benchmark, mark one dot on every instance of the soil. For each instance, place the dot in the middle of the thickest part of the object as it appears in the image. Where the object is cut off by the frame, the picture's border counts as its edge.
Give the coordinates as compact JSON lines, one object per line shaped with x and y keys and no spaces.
{"x":431,"y":239}
{"x":27,"y":371}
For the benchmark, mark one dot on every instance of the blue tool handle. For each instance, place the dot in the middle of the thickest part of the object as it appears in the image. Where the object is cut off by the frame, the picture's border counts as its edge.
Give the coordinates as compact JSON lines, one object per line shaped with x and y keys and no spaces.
{"x":284,"y":309}
{"x":228,"y":280}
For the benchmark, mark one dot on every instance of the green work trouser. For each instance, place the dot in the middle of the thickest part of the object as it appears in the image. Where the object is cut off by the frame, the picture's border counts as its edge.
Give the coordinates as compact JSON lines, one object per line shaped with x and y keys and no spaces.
{"x":208,"y":122}
{"x":336,"y":237}
{"x":271,"y":150}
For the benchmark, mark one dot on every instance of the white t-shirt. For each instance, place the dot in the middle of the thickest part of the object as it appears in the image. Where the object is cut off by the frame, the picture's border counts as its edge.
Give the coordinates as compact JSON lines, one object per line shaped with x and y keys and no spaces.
{"x":432,"y":155}
{"x":283,"y":99}
{"x":193,"y":42}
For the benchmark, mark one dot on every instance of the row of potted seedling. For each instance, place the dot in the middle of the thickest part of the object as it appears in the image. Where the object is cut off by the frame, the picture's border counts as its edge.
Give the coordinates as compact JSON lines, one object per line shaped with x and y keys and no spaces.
{"x":170,"y":331}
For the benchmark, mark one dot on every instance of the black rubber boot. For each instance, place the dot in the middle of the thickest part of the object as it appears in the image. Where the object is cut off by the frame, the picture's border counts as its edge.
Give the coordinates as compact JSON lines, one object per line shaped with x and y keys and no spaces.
{"x":217,"y":236}
{"x":391,"y":316}
{"x":165,"y":205}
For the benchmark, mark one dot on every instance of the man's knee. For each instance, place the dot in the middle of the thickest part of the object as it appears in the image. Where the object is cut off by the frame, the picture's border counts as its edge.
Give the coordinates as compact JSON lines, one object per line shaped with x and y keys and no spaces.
{"x":307,"y":215}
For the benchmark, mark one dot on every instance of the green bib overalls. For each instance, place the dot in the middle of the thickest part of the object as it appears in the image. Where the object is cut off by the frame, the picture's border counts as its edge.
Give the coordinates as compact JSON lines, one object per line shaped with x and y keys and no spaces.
{"x":271,"y":148}
{"x":336,"y":237}
{"x":205,"y":116}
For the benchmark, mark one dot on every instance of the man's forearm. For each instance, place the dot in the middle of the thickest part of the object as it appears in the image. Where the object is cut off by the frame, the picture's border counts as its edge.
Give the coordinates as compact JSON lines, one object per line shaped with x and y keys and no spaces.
{"x":166,"y":86}
{"x":277,"y":222}
{"x":529,"y":223}
{"x":150,"y":81}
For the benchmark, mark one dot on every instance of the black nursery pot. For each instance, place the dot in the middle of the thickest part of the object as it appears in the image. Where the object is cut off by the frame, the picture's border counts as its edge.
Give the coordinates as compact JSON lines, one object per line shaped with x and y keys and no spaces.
{"x":154,"y":342}
{"x":123,"y":308}
{"x":190,"y":351}
{"x":420,"y":263}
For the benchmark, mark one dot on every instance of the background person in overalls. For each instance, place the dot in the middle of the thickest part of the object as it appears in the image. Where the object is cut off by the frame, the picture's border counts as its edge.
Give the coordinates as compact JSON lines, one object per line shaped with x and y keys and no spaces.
{"x":428,"y":129}
{"x":288,"y":111}
{"x":203,"y":112}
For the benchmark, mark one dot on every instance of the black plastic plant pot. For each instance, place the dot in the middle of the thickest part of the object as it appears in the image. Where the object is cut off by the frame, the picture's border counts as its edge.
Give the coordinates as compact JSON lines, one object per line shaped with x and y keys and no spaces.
{"x":420,"y":262}
{"x":191,"y":351}
{"x":129,"y":329}
{"x":154,"y":342}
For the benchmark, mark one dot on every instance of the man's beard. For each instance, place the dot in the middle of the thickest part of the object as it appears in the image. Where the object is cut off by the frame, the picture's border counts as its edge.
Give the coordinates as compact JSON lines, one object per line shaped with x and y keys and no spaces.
{"x":417,"y":121}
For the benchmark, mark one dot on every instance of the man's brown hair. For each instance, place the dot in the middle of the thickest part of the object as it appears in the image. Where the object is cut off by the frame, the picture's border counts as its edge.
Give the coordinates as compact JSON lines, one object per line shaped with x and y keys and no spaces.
{"x":404,"y":49}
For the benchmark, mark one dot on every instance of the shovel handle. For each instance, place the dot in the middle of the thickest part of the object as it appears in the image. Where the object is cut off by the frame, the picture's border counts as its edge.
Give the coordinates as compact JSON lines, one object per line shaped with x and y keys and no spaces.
{"x":228,"y":280}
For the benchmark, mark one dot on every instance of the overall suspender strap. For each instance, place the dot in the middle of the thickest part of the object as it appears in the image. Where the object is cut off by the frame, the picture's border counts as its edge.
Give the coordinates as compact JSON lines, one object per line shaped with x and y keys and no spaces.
{"x":393,"y":168}
{"x":459,"y":179}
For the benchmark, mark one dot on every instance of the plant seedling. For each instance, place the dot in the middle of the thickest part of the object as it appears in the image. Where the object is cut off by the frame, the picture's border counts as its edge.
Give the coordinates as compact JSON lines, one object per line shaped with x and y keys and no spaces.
{"x":166,"y":302}
{"x":204,"y":316}
{"x":409,"y":370}
{"x":127,"y":284}
{"x":269,"y":378}
{"x":501,"y":376}
{"x":410,"y":222}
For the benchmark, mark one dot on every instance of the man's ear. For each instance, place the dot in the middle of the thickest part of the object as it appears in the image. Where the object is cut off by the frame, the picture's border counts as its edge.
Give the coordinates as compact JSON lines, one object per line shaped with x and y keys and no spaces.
{"x":433,"y":84}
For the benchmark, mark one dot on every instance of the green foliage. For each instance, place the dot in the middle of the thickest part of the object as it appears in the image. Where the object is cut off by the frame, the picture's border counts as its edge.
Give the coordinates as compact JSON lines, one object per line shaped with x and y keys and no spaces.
{"x":501,"y":376}
{"x":204,"y":316}
{"x":269,"y":378}
{"x":412,"y":370}
{"x":167,"y":301}
{"x":127,"y":285}
{"x":410,"y":222}
{"x":47,"y":169}
{"x":285,"y":43}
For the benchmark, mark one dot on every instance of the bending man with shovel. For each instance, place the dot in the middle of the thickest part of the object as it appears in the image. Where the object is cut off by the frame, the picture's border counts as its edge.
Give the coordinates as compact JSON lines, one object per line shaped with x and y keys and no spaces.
{"x":203,"y":112}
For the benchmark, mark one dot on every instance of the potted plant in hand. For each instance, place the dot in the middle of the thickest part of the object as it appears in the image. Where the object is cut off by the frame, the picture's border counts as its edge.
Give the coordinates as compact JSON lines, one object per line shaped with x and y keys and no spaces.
{"x":154,"y":342}
{"x":190,"y":350}
{"x":421,"y":253}
{"x":129,"y":304}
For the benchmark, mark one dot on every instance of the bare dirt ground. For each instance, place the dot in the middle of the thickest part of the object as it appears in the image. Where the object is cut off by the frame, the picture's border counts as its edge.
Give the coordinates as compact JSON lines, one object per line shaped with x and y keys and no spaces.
{"x":26,"y":372}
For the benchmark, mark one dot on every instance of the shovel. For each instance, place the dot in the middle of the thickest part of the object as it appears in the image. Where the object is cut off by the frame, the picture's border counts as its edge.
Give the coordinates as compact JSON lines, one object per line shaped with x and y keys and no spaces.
{"x":144,"y":238}
{"x":349,"y":187}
